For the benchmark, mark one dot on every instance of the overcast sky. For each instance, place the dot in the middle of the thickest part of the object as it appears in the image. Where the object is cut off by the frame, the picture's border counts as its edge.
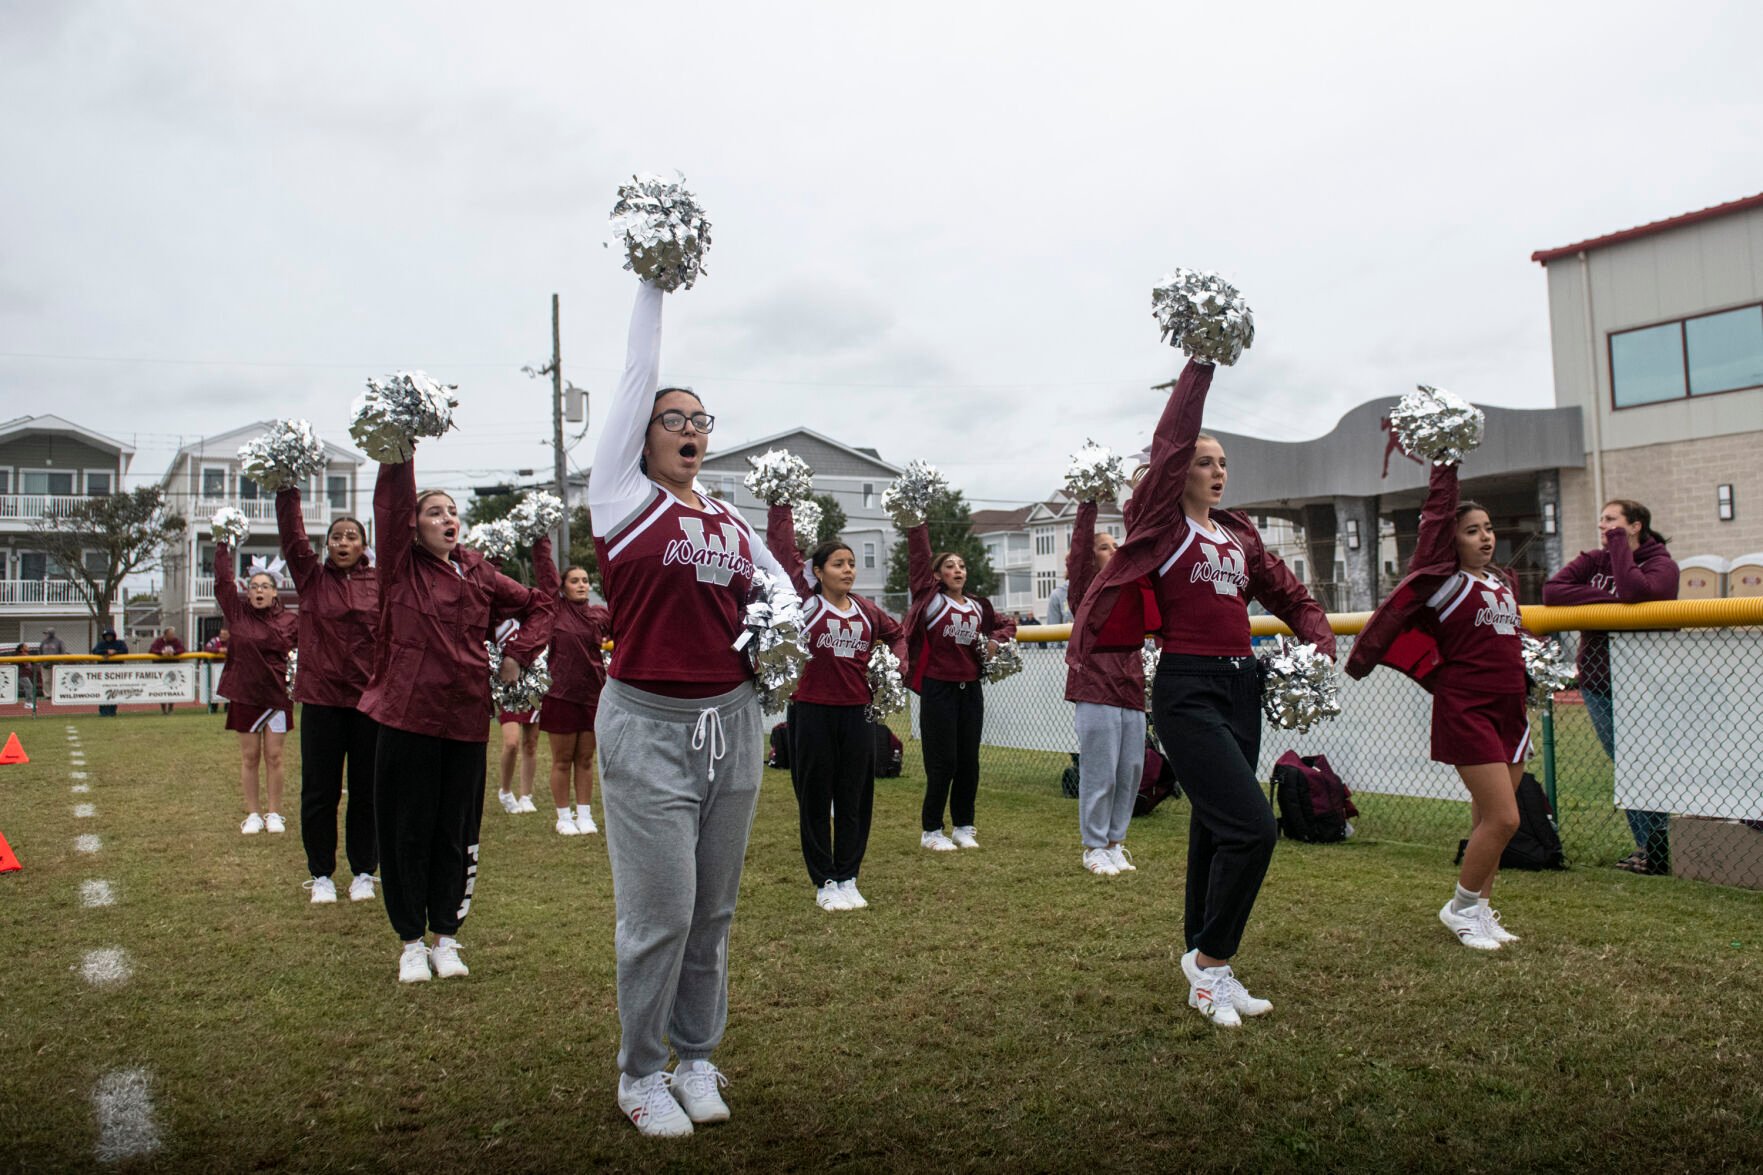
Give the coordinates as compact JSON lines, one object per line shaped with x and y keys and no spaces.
{"x":936,"y":226}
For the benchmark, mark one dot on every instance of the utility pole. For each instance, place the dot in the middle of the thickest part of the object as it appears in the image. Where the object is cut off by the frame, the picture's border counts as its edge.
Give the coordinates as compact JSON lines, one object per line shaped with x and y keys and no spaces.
{"x":562,"y":458}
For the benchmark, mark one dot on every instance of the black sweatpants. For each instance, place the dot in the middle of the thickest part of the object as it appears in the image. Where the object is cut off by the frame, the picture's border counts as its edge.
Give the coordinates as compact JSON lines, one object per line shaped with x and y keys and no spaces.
{"x":429,"y":803}
{"x":832,"y":765}
{"x":329,"y":735}
{"x":951,"y":715}
{"x":1207,"y":711}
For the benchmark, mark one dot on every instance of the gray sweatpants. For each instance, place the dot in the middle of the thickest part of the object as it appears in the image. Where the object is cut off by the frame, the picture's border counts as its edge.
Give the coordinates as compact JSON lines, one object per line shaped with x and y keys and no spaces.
{"x":679,"y":780}
{"x":1110,"y":760}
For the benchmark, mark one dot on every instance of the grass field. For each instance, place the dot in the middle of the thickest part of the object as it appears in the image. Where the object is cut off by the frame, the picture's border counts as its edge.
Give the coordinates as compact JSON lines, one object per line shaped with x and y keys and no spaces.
{"x":997,"y":1009}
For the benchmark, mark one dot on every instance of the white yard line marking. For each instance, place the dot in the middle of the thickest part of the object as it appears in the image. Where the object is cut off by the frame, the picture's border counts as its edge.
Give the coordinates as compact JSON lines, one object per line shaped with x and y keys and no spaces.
{"x":76,"y":775}
{"x":123,"y":1102}
{"x":80,"y":789}
{"x":106,"y":967}
{"x":96,"y":892}
{"x":87,"y":842}
{"x":84,"y":811}
{"x":73,"y":738}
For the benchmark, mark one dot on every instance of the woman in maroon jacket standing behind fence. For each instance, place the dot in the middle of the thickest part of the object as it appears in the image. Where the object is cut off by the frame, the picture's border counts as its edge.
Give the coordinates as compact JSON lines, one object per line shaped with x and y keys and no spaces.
{"x":430,"y":695}
{"x":167,"y":644}
{"x":339,"y":609}
{"x":578,"y":673}
{"x":1188,"y":569}
{"x":254,"y":682}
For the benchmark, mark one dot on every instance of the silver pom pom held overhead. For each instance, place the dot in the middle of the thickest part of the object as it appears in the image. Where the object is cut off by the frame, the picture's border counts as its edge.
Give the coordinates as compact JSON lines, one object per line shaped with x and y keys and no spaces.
{"x":1437,"y":426}
{"x":779,"y":478}
{"x":663,"y":231}
{"x":230,"y":526}
{"x":1204,"y":315}
{"x":497,"y":539}
{"x":535,"y":516}
{"x":806,"y":515}
{"x":887,"y":689}
{"x":1301,"y":688}
{"x":396,"y":410}
{"x":287,"y":453}
{"x":1094,"y":474}
{"x":908,"y":499}
{"x":1547,"y":669}
{"x":774,"y":641}
{"x":526,"y":691}
{"x":1006,"y":662}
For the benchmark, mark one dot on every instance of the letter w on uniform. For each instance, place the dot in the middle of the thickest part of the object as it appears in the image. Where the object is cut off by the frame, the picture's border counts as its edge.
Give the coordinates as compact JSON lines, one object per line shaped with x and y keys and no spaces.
{"x":1224,"y":570}
{"x":845,"y":637}
{"x":714,"y":556}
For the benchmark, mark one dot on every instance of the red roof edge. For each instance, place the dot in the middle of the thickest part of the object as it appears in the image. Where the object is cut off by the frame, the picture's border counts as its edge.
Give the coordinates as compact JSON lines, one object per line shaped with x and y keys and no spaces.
{"x":1544,"y":256}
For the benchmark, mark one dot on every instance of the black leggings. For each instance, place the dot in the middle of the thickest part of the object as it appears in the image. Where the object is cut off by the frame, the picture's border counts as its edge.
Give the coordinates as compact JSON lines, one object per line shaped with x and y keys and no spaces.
{"x":832,"y":765}
{"x":429,"y":800}
{"x":328,"y":736}
{"x":951,"y":715}
{"x":1207,"y":711}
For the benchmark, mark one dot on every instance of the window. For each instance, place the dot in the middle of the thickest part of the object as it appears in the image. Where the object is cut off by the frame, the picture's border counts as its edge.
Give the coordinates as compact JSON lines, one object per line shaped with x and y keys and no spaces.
{"x":33,"y":565}
{"x":868,"y":495}
{"x":1646,"y":366}
{"x":98,"y":482}
{"x":1045,"y":582}
{"x":1725,"y":351}
{"x":1298,"y":569}
{"x":97,"y":563}
{"x":5,"y":481}
{"x":213,"y":483}
{"x":1721,"y":352}
{"x":337,"y":492}
{"x":45,"y":481}
{"x":248,"y":490}
{"x":728,"y":489}
{"x":869,"y":556}
{"x":1043,"y":540}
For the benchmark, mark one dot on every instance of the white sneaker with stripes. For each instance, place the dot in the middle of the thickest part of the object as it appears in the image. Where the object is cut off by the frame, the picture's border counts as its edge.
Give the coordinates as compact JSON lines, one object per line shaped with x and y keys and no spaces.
{"x":1470,"y":928}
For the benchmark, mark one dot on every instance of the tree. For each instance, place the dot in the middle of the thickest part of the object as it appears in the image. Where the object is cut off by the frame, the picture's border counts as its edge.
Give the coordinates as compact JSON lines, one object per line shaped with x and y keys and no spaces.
{"x":125,"y":534}
{"x":488,"y":508}
{"x":832,"y":522}
{"x":951,"y":529}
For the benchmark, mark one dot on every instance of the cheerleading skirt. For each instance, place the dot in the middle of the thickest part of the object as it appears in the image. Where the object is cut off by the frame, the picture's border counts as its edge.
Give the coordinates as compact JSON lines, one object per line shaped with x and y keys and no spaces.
{"x":251,"y":719}
{"x":1471,"y":728}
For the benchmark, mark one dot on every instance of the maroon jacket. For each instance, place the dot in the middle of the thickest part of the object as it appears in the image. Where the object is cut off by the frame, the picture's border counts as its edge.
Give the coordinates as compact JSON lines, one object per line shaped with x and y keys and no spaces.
{"x":1612,"y":575}
{"x":256,"y":670}
{"x":431,"y":673}
{"x":924,"y":586}
{"x":166,"y":648}
{"x":819,"y":678}
{"x":1114,"y":678}
{"x":1120,"y":606}
{"x":1396,"y":635}
{"x":578,"y":671}
{"x":338,"y":613}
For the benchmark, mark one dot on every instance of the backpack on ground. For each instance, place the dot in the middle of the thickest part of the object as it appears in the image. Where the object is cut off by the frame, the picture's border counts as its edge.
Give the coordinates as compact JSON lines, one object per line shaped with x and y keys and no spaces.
{"x":1314,"y":805}
{"x":1157,"y":784}
{"x":1537,"y":843}
{"x":1069,"y":779}
{"x":890,"y":756}
{"x":780,"y":747}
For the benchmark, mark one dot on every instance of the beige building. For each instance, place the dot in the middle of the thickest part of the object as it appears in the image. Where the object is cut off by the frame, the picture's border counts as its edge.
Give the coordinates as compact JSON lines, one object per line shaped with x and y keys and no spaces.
{"x":1658,"y":340}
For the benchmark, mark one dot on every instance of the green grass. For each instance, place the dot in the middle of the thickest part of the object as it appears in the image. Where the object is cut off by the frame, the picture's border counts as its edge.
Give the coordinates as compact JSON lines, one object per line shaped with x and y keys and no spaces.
{"x":997,"y":1009}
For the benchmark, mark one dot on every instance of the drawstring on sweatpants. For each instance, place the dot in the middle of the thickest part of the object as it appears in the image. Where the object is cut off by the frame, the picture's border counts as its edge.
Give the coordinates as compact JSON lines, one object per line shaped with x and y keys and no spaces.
{"x":709,"y":730}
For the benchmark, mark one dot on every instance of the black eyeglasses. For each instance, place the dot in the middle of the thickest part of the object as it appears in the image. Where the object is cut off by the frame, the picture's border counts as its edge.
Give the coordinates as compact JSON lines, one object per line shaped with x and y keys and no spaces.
{"x":673,"y":420}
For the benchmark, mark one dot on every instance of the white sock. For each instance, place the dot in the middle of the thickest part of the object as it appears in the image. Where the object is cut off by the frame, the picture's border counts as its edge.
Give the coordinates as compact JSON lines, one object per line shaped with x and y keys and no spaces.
{"x":565,"y":814}
{"x":1465,"y":901}
{"x":583,"y":812}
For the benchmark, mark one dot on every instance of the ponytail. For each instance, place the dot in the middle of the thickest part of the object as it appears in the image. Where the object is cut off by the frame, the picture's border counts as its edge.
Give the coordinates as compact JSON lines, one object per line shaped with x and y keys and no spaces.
{"x":1633,"y":511}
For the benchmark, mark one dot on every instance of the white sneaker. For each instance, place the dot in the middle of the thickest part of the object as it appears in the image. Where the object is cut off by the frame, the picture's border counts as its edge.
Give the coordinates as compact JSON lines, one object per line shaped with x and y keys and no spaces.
{"x":1491,"y":926}
{"x":1209,"y":993}
{"x":695,"y":1088}
{"x":444,"y":957}
{"x":964,"y":838}
{"x":526,"y":804}
{"x":1122,"y":859}
{"x":252,"y":826}
{"x":1099,"y":861}
{"x":831,"y":897}
{"x":648,"y":1103}
{"x":1469,"y":928}
{"x":566,"y":825}
{"x":510,"y":805}
{"x":853,"y":899}
{"x":413,"y":964}
{"x":323,"y":890}
{"x":584,"y":820}
{"x":273,"y":823}
{"x":361,"y":889}
{"x":1231,"y":988}
{"x":937,"y":841}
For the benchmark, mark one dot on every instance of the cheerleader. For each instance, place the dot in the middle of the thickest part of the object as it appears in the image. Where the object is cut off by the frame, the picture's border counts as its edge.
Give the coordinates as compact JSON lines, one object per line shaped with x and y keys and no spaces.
{"x":1188,"y":570}
{"x":1109,"y":690}
{"x":429,"y":692}
{"x":1632,"y":566}
{"x":680,"y":720}
{"x":944,"y":626}
{"x":255,"y":683}
{"x":520,"y":744}
{"x":832,"y":745}
{"x":339,"y":607}
{"x":578,"y":673}
{"x":1452,"y":625}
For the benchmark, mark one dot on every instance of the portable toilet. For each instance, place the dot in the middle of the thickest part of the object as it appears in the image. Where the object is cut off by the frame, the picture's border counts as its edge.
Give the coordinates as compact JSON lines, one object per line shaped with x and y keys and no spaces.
{"x":1745,"y":576}
{"x":1699,"y":577}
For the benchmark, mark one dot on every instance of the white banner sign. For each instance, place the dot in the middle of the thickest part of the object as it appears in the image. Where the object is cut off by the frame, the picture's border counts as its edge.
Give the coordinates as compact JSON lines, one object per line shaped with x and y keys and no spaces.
{"x":124,"y":684}
{"x":1688,"y":732}
{"x":8,"y":684}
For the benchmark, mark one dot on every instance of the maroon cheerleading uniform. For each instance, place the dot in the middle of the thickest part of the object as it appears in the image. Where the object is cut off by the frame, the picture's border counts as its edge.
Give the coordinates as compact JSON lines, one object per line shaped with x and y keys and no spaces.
{"x":1113,"y":678}
{"x":578,"y":670}
{"x":255,"y":679}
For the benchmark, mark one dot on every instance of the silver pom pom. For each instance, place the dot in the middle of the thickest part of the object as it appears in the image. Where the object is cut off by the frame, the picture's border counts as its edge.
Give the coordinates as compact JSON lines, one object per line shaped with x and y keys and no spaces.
{"x":497,"y":539}
{"x":662,"y":230}
{"x":887,"y":690}
{"x":806,"y":515}
{"x":287,"y":453}
{"x":527,"y":691}
{"x":1148,"y":657}
{"x":1204,"y":315}
{"x":1301,"y":688}
{"x":1548,"y":671}
{"x":1006,"y":662}
{"x":293,"y":669}
{"x":1436,"y":425}
{"x":396,"y":410}
{"x":1094,"y":474}
{"x":779,"y":477}
{"x":909,"y":498}
{"x":774,"y":640}
{"x":535,"y":516}
{"x":231,"y":527}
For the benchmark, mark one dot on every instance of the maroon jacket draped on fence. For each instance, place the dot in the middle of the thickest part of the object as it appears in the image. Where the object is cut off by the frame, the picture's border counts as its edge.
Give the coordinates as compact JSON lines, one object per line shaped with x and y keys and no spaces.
{"x":578,"y":670}
{"x":1119,"y":607}
{"x":256,"y":670}
{"x":339,"y":612}
{"x":924,"y":586}
{"x":1616,"y":575}
{"x":431,"y":672}
{"x":1105,"y":678}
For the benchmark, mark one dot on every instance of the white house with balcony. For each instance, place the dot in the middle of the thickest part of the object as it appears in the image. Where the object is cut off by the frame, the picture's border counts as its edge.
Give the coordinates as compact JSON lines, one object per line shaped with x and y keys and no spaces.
{"x":1049,"y":525}
{"x":49,"y":465}
{"x":1004,"y":534}
{"x":204,"y":476}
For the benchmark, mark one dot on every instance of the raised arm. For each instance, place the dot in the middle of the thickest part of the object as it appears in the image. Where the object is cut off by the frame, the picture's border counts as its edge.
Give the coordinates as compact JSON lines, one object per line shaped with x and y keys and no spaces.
{"x":617,"y":486}
{"x":1573,"y":583}
{"x":226,"y":582}
{"x":545,"y":574}
{"x":1657,"y":579}
{"x":296,"y":547}
{"x":1437,"y":540}
{"x":920,"y":579}
{"x":780,"y":540}
{"x":1080,"y":560}
{"x":394,"y":514}
{"x":1158,"y":494}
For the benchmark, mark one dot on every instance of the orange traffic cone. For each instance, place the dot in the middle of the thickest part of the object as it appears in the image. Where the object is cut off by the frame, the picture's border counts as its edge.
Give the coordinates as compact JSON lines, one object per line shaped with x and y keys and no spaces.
{"x":13,"y":753}
{"x":8,"y":858}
